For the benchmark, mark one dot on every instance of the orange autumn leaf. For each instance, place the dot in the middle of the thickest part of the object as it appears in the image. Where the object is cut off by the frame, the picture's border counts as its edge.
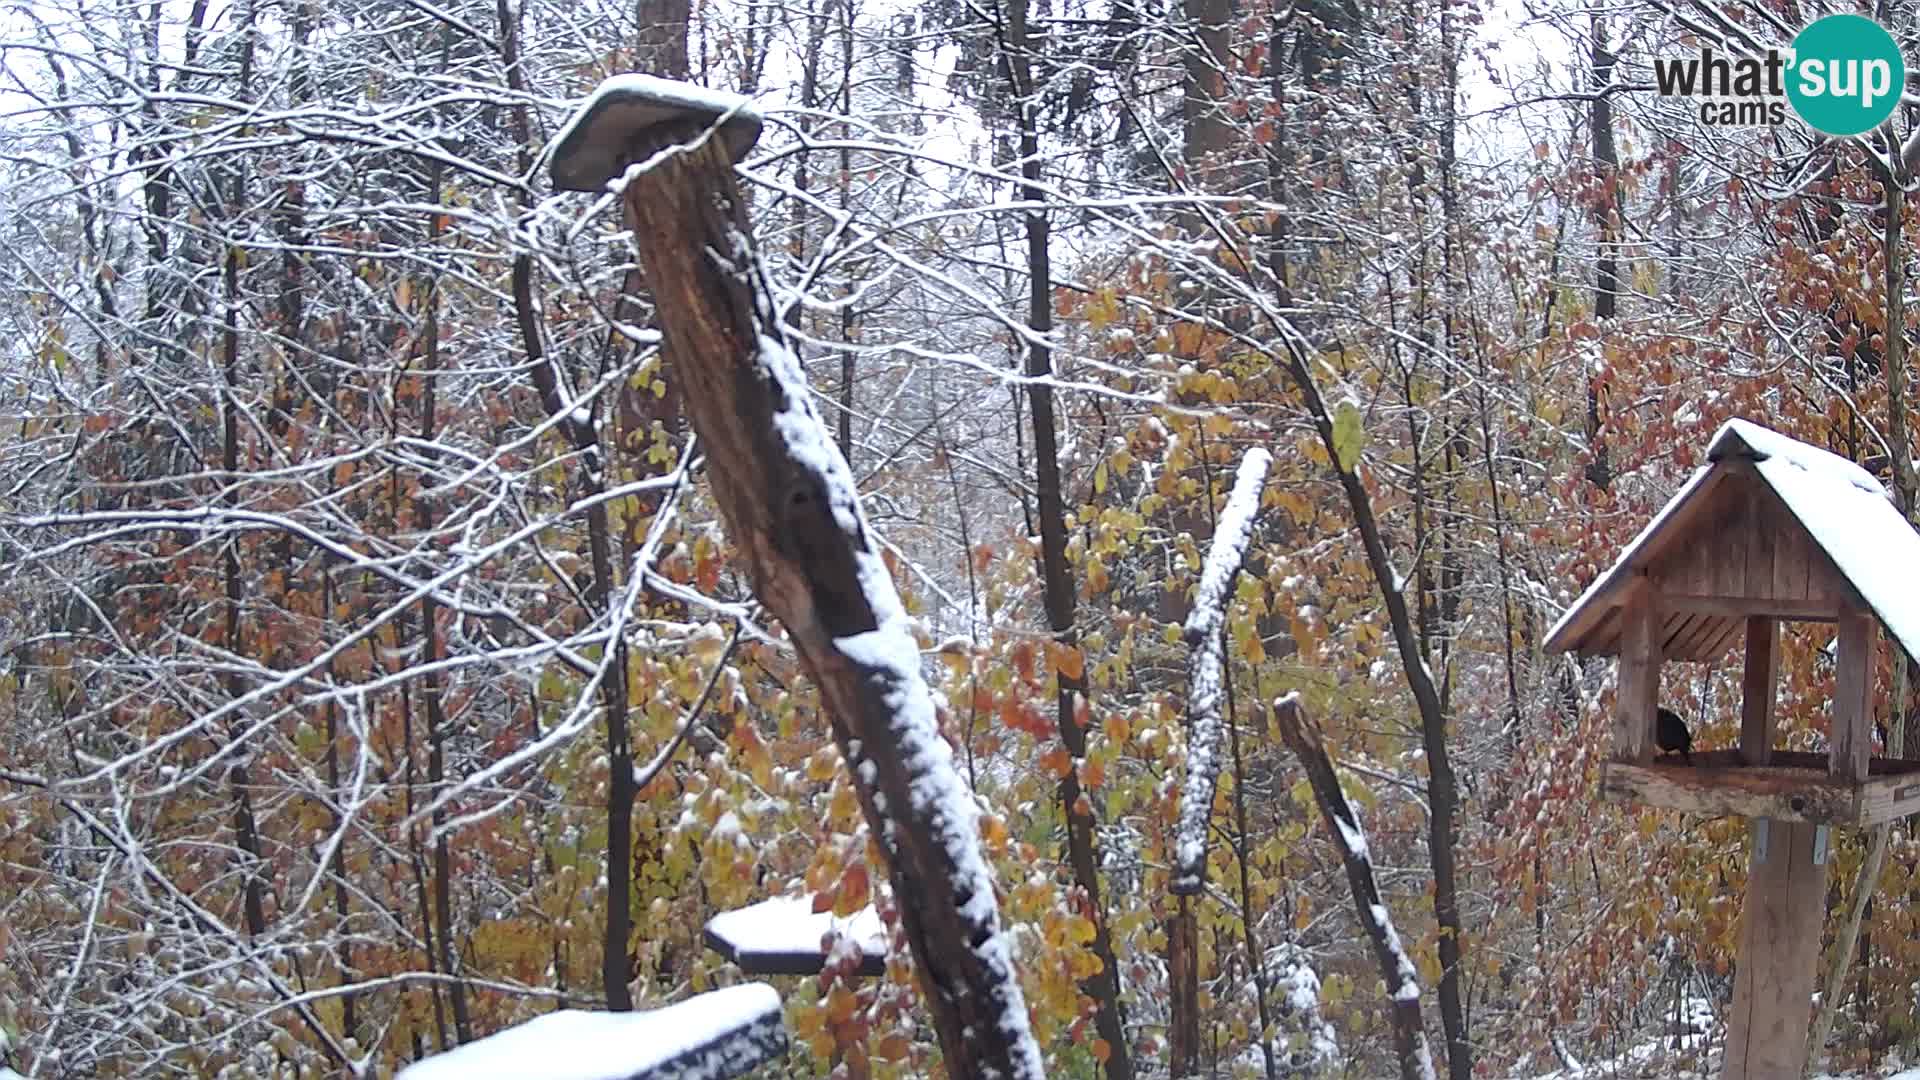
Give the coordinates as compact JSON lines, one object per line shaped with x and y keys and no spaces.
{"x":853,"y":891}
{"x":1068,"y":660}
{"x":1023,"y":659}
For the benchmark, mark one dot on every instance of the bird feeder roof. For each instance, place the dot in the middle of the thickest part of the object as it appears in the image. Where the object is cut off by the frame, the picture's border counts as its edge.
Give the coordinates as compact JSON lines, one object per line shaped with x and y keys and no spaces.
{"x":1769,"y":526}
{"x":594,"y":146}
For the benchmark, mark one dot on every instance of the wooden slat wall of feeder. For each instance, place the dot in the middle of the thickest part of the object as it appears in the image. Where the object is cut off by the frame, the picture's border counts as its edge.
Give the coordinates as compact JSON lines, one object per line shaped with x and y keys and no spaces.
{"x":1770,"y":531}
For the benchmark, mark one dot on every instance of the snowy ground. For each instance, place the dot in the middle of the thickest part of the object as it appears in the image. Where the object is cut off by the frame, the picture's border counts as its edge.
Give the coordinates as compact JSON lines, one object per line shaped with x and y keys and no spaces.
{"x":1671,"y":1058}
{"x":1648,"y":1061}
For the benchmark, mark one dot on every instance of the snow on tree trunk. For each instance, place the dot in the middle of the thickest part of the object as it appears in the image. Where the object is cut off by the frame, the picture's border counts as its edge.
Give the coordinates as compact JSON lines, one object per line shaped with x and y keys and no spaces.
{"x":790,"y":507}
{"x":1205,"y":663}
{"x":1302,"y":735}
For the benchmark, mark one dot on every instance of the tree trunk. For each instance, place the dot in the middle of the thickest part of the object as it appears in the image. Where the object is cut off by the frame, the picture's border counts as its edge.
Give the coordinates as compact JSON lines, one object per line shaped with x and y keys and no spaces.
{"x":787,"y":500}
{"x":1082,"y":853}
{"x":1303,"y":737}
{"x":1867,"y":881}
{"x":1606,"y":282}
{"x":246,"y":834}
{"x":1183,"y":976}
{"x":435,"y":688}
{"x":1442,"y":786}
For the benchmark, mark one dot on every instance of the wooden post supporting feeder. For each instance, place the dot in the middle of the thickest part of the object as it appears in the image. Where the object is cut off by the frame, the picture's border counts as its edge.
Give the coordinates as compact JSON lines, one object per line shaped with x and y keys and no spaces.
{"x":793,"y":518}
{"x":1770,"y":530}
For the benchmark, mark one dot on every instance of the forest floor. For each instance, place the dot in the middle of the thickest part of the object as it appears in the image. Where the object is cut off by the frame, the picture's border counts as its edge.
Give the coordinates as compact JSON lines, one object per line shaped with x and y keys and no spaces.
{"x":1684,"y":1052}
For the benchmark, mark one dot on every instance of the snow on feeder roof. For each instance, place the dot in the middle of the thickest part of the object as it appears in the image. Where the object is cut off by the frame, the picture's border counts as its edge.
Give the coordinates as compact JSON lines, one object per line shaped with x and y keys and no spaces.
{"x":596,"y":145}
{"x":712,"y":1036}
{"x":786,"y":936}
{"x":1770,"y":526}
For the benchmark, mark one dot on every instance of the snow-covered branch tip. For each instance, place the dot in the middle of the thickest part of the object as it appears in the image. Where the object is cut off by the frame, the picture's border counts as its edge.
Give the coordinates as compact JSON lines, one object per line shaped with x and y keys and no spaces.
{"x":1206,"y":684}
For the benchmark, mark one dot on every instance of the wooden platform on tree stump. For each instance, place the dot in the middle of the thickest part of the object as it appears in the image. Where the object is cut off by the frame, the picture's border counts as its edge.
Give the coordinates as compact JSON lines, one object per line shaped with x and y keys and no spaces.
{"x":1790,"y":787}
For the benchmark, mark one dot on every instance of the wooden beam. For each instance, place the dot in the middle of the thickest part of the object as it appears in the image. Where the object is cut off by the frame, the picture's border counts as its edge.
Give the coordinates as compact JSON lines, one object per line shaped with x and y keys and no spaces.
{"x":1889,"y":799}
{"x":1740,"y":607}
{"x":1758,"y":685}
{"x":1779,"y":948}
{"x":1791,"y":787}
{"x":1851,"y":738}
{"x":1639,"y":683}
{"x":1732,"y":790}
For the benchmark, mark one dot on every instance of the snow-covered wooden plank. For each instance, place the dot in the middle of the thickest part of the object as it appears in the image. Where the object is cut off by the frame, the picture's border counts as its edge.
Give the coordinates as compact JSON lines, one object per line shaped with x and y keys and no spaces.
{"x":793,"y":516}
{"x":1206,"y":676}
{"x":784,"y":935}
{"x":711,"y":1036}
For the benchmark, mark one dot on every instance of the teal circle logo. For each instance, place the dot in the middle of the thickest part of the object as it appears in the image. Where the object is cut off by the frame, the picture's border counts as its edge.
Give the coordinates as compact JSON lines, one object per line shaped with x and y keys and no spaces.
{"x":1847,"y":75}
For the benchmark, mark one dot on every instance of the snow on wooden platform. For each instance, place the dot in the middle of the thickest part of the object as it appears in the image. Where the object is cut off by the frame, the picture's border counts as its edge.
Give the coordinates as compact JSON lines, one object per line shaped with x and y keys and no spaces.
{"x":711,"y":1036}
{"x":1790,"y":787}
{"x":785,"y":936}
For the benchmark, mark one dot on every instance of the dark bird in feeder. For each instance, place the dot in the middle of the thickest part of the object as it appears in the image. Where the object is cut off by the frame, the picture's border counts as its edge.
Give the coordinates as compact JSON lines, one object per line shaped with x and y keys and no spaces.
{"x":1670,"y":734}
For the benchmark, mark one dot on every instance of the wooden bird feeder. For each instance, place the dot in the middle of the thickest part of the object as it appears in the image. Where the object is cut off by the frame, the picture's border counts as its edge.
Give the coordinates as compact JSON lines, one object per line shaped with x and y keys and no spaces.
{"x":1770,"y":530}
{"x":717,"y":1035}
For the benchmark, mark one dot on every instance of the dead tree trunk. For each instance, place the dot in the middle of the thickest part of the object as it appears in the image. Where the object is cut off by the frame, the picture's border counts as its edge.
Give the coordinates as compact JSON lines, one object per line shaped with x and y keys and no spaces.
{"x":1396,"y":968}
{"x":1606,"y":276}
{"x":788,"y":502}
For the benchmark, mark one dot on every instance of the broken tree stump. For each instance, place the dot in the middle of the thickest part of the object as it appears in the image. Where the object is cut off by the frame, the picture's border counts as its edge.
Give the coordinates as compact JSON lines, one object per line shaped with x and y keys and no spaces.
{"x":791,"y":511}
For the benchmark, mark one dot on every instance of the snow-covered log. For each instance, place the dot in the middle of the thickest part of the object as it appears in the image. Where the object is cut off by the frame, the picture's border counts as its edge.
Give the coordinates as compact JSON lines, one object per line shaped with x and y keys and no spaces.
{"x":791,"y":510}
{"x":1206,"y":687}
{"x":711,"y":1036}
{"x":1303,"y":737}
